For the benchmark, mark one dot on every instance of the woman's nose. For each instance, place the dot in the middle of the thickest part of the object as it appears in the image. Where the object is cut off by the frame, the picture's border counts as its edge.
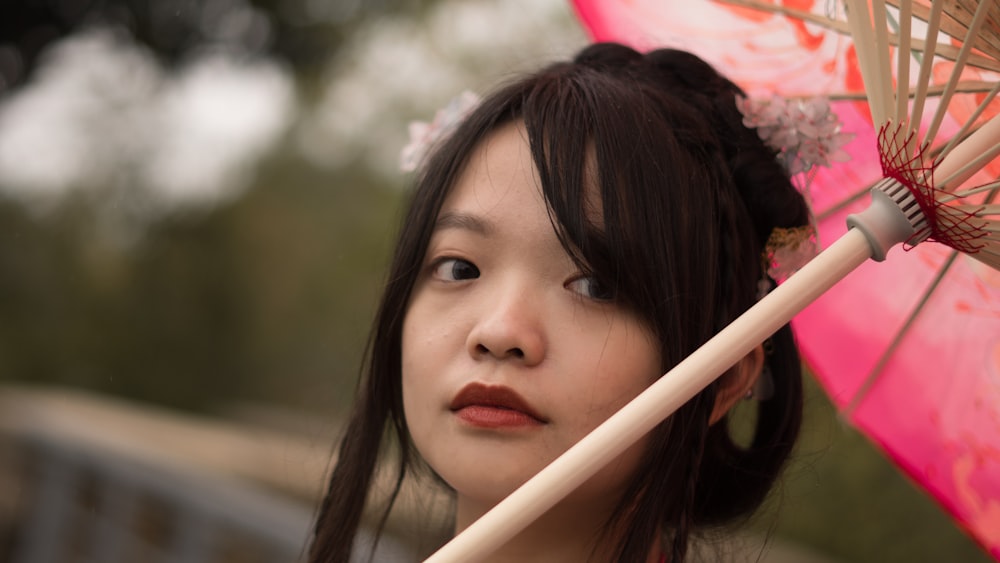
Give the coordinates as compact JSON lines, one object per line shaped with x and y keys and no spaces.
{"x":509,"y":329}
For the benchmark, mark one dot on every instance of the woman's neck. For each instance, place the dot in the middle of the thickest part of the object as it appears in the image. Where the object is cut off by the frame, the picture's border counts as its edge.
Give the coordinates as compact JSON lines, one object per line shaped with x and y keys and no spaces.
{"x":566,"y":533}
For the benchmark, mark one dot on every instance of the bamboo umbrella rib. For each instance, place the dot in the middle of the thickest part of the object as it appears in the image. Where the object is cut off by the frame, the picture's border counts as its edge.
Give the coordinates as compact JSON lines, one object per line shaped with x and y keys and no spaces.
{"x":954,"y":26}
{"x":883,"y":72}
{"x":859,"y":19}
{"x":986,"y":223}
{"x":989,"y":257}
{"x":890,"y":351}
{"x":949,"y":52}
{"x":988,"y":254}
{"x":943,"y":50}
{"x":970,"y":155}
{"x":963,"y":87}
{"x":992,"y":209}
{"x":930,"y":43}
{"x":956,"y":72}
{"x":903,"y":59}
{"x":961,"y":194}
{"x":808,"y":17}
{"x":986,"y":209}
{"x":965,"y":223}
{"x":958,"y":14}
{"x":955,"y":139}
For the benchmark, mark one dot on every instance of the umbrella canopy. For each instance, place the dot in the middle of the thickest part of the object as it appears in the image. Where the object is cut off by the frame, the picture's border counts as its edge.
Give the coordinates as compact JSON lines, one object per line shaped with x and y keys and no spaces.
{"x":909,"y":349}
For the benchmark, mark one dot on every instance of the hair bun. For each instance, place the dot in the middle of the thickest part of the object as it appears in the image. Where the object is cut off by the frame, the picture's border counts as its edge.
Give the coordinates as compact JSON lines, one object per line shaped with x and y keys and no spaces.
{"x":690,"y":72}
{"x":607,"y":57}
{"x":762,"y":182}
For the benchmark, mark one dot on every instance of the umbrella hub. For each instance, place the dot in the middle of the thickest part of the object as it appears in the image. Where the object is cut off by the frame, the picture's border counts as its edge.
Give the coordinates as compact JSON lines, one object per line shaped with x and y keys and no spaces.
{"x":893,"y":217}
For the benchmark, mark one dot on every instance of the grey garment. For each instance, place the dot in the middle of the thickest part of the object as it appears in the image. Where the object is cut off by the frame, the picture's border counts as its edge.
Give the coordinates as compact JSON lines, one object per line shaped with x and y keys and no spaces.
{"x":388,"y":550}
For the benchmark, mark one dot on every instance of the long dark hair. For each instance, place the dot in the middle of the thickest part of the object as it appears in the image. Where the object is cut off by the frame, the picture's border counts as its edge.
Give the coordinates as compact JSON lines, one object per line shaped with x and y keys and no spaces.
{"x":689,"y":197}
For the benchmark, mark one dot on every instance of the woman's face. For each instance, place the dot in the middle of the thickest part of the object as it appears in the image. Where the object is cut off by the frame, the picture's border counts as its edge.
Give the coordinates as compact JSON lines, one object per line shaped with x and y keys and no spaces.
{"x":510,"y":354}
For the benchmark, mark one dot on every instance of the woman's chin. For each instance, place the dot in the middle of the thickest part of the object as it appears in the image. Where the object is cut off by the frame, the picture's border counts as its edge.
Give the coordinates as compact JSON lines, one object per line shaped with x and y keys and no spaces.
{"x":487,"y":492}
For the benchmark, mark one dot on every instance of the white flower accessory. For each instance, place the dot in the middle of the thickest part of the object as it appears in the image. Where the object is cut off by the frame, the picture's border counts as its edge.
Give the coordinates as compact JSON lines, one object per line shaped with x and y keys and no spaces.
{"x":425,"y":135}
{"x":805,"y":133}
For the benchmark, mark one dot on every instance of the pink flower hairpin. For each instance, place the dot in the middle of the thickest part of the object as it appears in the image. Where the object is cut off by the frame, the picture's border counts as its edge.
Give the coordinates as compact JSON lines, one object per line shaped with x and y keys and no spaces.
{"x":423,"y":135}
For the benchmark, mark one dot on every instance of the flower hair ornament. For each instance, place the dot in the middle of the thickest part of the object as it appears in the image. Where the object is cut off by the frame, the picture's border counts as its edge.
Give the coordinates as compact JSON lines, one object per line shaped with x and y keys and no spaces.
{"x":423,"y":135}
{"x":804,"y":133}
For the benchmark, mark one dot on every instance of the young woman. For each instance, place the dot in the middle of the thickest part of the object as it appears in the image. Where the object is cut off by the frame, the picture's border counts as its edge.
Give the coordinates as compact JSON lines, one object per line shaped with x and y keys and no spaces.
{"x":581,"y":231}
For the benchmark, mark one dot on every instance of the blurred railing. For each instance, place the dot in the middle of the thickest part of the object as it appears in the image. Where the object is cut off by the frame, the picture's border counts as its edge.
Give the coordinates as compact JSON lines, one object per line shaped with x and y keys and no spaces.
{"x":91,"y":480}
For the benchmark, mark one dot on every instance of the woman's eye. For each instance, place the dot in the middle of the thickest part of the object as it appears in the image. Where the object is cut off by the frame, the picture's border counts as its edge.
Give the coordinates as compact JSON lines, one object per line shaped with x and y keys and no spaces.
{"x":455,"y":269}
{"x":589,"y":286}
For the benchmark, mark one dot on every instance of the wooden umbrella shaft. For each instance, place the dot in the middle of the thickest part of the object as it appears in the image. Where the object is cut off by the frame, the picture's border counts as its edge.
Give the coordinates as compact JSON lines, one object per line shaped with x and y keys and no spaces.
{"x":657,"y":402}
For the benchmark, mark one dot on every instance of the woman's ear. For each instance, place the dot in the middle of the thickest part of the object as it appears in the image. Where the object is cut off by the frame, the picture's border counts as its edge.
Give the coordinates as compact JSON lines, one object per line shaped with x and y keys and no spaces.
{"x":737,"y":382}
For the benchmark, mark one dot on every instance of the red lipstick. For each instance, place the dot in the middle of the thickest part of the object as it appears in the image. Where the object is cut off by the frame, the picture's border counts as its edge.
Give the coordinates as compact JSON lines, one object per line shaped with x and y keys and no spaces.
{"x":489,"y":406}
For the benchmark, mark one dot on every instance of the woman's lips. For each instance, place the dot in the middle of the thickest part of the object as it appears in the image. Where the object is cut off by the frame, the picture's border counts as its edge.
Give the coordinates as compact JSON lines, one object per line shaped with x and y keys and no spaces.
{"x":488,"y":406}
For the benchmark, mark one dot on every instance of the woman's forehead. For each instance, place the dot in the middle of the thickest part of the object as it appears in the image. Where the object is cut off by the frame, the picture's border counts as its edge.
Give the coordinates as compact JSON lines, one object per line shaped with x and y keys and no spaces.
{"x":505,"y":156}
{"x":499,"y":172}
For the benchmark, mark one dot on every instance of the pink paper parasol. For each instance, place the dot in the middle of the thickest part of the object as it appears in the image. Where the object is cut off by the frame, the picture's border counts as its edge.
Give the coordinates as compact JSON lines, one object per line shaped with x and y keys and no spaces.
{"x":909,"y":349}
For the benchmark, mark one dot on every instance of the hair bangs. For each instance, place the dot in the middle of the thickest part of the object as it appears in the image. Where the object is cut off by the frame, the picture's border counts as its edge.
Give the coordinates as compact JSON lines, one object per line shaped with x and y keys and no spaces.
{"x":624,"y":192}
{"x":576,"y":146}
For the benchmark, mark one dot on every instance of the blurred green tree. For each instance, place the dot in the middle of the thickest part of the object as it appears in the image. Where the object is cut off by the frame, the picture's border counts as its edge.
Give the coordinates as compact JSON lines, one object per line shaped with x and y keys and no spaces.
{"x":302,"y":33}
{"x":267,"y":298}
{"x":842,"y":497}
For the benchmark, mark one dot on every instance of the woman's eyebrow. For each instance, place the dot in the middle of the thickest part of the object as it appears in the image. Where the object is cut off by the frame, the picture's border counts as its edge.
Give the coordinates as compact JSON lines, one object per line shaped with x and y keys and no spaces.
{"x":463,"y":221}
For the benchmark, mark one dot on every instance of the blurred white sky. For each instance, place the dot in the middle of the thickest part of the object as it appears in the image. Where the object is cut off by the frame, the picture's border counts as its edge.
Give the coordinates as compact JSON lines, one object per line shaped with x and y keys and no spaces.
{"x":102,"y":114}
{"x":399,"y":69}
